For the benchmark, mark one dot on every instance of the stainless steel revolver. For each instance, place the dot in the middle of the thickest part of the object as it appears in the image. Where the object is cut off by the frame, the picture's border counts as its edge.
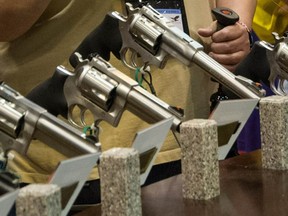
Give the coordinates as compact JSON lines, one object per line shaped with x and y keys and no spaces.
{"x":21,"y":121}
{"x":97,"y":87}
{"x":148,"y":34}
{"x":277,"y":55}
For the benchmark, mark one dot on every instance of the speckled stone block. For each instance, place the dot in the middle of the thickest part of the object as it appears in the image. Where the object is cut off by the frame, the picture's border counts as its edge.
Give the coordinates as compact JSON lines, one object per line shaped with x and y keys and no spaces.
{"x":274,"y":132}
{"x":120,"y":182}
{"x":39,"y":199}
{"x":200,"y":166}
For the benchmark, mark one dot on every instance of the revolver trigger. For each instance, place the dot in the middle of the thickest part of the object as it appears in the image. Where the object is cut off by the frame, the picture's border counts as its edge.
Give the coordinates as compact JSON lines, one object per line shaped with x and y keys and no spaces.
{"x":76,"y":115}
{"x":125,"y":59}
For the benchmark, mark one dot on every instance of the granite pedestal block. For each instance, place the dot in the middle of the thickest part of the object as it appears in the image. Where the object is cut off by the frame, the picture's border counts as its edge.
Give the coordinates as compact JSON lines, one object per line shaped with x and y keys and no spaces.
{"x":200,"y":166}
{"x":274,"y":132}
{"x":120,"y":182}
{"x":39,"y":199}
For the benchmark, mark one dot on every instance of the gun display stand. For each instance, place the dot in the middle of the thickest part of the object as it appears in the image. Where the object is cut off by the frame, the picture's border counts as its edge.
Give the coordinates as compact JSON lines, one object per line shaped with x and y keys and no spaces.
{"x":274,"y":132}
{"x":231,"y":116}
{"x":200,"y":166}
{"x":7,"y":199}
{"x":148,"y":143}
{"x":70,"y":177}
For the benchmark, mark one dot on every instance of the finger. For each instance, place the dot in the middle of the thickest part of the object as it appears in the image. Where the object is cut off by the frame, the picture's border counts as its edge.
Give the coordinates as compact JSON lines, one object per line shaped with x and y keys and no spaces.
{"x":230,"y":33}
{"x":228,"y":59}
{"x":240,"y":44}
{"x":208,"y":31}
{"x":224,"y":61}
{"x":231,"y":68}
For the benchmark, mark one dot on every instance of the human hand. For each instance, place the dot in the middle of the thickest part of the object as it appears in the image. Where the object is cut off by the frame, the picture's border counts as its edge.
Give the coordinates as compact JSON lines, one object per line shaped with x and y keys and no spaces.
{"x":229,"y":45}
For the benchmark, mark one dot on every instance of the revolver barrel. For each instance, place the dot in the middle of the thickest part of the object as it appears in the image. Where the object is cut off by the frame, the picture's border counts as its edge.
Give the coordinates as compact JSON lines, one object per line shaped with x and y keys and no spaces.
{"x":151,"y":109}
{"x":226,"y":78}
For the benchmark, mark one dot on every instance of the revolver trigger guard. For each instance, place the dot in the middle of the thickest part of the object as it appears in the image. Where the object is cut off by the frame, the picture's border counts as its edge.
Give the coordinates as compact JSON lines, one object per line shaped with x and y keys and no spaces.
{"x":132,"y":65}
{"x":123,"y":55}
{"x":71,"y":116}
{"x":281,"y":86}
{"x":273,"y":86}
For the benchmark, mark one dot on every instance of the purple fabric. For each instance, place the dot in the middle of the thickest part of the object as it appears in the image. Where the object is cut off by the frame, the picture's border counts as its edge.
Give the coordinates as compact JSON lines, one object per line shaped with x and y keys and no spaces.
{"x":249,"y":138}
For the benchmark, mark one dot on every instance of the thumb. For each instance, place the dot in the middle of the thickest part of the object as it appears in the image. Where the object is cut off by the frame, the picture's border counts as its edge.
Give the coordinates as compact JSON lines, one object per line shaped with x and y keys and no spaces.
{"x":208,"y":31}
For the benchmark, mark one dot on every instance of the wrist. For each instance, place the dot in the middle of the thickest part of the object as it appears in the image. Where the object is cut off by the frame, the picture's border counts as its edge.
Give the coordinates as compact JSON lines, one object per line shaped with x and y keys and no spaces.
{"x":249,"y":31}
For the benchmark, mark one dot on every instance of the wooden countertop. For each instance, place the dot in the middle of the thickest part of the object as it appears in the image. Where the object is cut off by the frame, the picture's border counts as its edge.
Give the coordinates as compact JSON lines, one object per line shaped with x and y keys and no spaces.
{"x":245,"y":189}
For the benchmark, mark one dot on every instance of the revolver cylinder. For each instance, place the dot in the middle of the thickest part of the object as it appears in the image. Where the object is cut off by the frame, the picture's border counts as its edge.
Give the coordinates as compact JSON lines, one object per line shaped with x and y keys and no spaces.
{"x":97,"y":87}
{"x":11,"y":118}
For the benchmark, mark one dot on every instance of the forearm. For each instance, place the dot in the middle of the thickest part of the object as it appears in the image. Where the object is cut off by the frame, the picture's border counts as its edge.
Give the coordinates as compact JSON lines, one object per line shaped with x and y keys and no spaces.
{"x":18,"y":16}
{"x":244,"y":8}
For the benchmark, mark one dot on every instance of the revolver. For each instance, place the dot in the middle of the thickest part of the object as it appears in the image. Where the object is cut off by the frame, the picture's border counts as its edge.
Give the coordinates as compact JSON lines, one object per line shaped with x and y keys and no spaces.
{"x":148,"y":34}
{"x":98,"y":87}
{"x":267,"y":63}
{"x":21,"y":121}
{"x":277,"y":55}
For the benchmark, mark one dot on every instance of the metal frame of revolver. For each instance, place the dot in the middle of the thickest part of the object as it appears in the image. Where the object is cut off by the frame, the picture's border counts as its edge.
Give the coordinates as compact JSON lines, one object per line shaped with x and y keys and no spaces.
{"x":98,"y":87}
{"x":21,"y":121}
{"x":149,"y":34}
{"x":277,"y":55}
